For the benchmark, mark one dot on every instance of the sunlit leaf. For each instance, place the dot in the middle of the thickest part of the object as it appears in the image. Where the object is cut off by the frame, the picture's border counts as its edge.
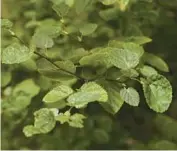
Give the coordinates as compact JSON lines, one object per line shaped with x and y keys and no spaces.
{"x":158,"y":92}
{"x":58,"y":93}
{"x":15,"y":53}
{"x":130,"y":96}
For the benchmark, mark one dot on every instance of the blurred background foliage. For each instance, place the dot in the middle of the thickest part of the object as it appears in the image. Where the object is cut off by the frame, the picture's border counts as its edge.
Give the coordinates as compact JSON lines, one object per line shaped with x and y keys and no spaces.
{"x":130,"y":128}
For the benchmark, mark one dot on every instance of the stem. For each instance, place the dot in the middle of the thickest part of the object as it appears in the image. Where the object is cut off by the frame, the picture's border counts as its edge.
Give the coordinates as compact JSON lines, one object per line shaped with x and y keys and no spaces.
{"x":48,"y":59}
{"x":40,"y":55}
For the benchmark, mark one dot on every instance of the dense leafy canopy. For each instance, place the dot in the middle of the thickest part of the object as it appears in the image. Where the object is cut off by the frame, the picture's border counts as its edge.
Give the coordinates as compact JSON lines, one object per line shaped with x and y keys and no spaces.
{"x":84,"y":69}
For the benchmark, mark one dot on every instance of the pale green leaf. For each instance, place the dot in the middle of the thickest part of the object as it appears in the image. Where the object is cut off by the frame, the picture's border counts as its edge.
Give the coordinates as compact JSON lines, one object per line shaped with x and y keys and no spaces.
{"x":63,"y":118}
{"x":57,"y":94}
{"x":15,"y":53}
{"x":131,"y":73}
{"x":66,"y":65}
{"x":156,"y":62}
{"x":42,"y":41}
{"x":130,"y":96}
{"x":140,"y":40}
{"x":6,"y":77}
{"x":5,"y":23}
{"x":70,"y":3}
{"x":81,"y":5}
{"x":44,"y":120}
{"x":123,"y":4}
{"x":147,"y":71}
{"x":158,"y":92}
{"x":30,"y":130}
{"x":109,"y":14}
{"x":115,"y":101}
{"x":125,"y":55}
{"x":99,"y":58}
{"x":88,"y":29}
{"x":108,"y":2}
{"x":47,"y":69}
{"x":27,"y":86}
{"x":76,"y":120}
{"x":61,"y":9}
{"x":89,"y":92}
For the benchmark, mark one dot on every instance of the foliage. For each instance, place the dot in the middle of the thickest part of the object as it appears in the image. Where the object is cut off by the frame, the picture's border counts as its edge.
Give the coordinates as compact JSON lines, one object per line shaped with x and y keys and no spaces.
{"x":82,"y":67}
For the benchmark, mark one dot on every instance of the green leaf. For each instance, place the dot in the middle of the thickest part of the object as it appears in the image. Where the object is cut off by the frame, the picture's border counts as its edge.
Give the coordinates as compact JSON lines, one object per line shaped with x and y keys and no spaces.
{"x":76,"y":120}
{"x":30,"y":130}
{"x":6,"y":77}
{"x":61,"y":9}
{"x":156,"y":62}
{"x":115,"y":101}
{"x":131,"y":73}
{"x":88,"y":29}
{"x":89,"y":92}
{"x":15,"y":53}
{"x":67,"y":65}
{"x":28,"y":86}
{"x":99,"y":58}
{"x":108,"y":2}
{"x":63,"y":118}
{"x":16,"y":103}
{"x":147,"y":71}
{"x":158,"y":92}
{"x":125,"y":55}
{"x":130,"y":96}
{"x":109,"y":14}
{"x":51,"y":30}
{"x":81,"y":5}
{"x":42,"y":41}
{"x":57,"y":94}
{"x":44,"y":120}
{"x":5,"y":23}
{"x":140,"y":40}
{"x":70,"y":3}
{"x":47,"y":69}
{"x":123,"y":4}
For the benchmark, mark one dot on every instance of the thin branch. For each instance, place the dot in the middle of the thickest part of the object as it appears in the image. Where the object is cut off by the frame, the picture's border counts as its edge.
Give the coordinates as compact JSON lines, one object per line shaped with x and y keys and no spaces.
{"x":42,"y":56}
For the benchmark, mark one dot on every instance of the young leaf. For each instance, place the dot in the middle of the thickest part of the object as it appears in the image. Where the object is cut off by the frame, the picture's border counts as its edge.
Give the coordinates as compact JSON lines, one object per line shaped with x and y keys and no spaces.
{"x":108,"y":2}
{"x":42,"y":41}
{"x":124,"y":59}
{"x":67,"y":65}
{"x":15,"y":53}
{"x":30,"y":130}
{"x":70,"y":3}
{"x":88,"y":29}
{"x":123,"y":4}
{"x":99,"y":58}
{"x":44,"y":120}
{"x":130,"y":96}
{"x":6,"y":77}
{"x":89,"y":92}
{"x":115,"y":101}
{"x":147,"y":71}
{"x":76,"y":120}
{"x":61,"y":9}
{"x":28,"y":86}
{"x":109,"y":14}
{"x":158,"y":92}
{"x":81,"y":5}
{"x":156,"y":61}
{"x":47,"y":69}
{"x":5,"y":23}
{"x":63,"y":118}
{"x":57,"y":94}
{"x":125,"y":55}
{"x":140,"y":40}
